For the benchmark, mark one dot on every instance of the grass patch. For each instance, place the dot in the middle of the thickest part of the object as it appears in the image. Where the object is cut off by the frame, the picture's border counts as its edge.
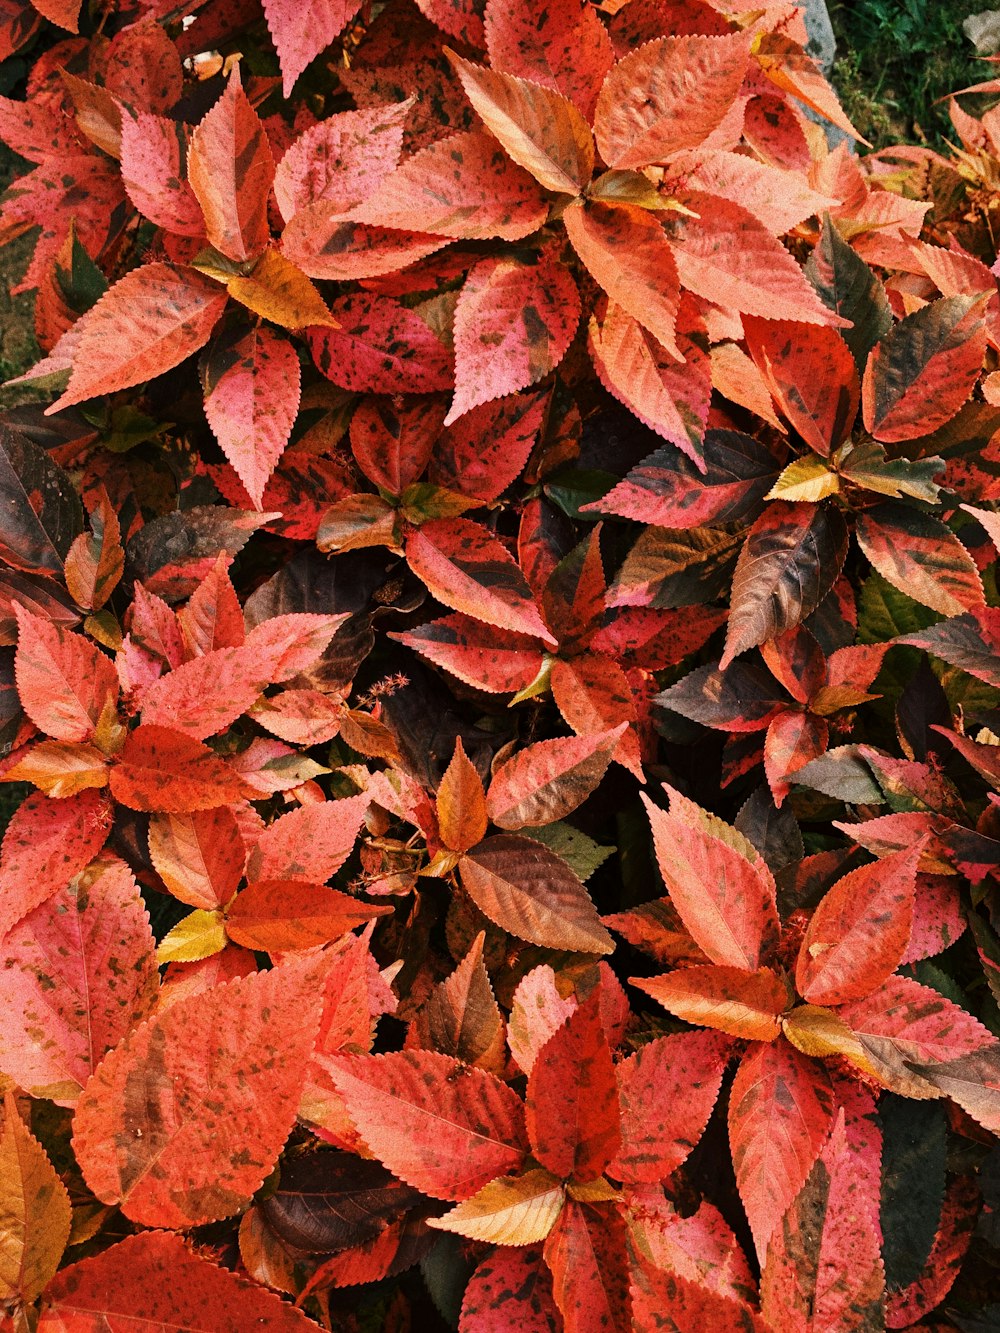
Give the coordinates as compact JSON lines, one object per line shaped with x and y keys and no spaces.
{"x":896,"y":58}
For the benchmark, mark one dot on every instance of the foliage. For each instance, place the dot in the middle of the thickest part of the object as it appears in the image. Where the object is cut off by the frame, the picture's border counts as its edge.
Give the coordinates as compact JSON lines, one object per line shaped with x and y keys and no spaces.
{"x":499,"y":663}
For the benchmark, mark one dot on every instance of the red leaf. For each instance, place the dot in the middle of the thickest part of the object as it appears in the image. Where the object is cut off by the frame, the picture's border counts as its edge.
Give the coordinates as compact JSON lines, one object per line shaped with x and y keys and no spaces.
{"x":182,"y":1122}
{"x":469,"y":650}
{"x":152,"y":1282}
{"x":283,"y":915}
{"x":668,"y":95}
{"x":463,"y":186}
{"x":859,"y":932}
{"x":537,"y":1010}
{"x":486,"y":449}
{"x":64,"y":682}
{"x":547,"y":780}
{"x":326,"y":245}
{"x":163,"y":769}
{"x":231,"y":169}
{"x":152,"y":156}
{"x":793,"y":740}
{"x":665,"y":1300}
{"x":468,"y":569}
{"x":726,"y":256}
{"x":780,"y":1112}
{"x":744,"y":1004}
{"x":341,"y":160}
{"x":439,"y":1125}
{"x":540,"y":129}
{"x":722,"y":889}
{"x":510,"y":1292}
{"x":572,"y":1098}
{"x":380,"y":347}
{"x":513,"y":323}
{"x":924,"y":369}
{"x":310,"y":843}
{"x":80,"y":972}
{"x":213,"y":617}
{"x":811,"y":375}
{"x":46,"y":843}
{"x":392,"y":439}
{"x":667,"y":1091}
{"x":301,"y":31}
{"x":252,"y":406}
{"x":148,"y":322}
{"x":585,"y":1252}
{"x":533,"y":894}
{"x":670,"y":397}
{"x":563,"y":45}
{"x":593,"y":694}
{"x":824,"y":1264}
{"x":65,"y":13}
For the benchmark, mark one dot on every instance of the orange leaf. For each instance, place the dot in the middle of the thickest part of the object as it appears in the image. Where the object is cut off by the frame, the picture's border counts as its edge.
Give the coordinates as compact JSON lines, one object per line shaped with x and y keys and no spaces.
{"x":64,"y":682}
{"x":461,"y":803}
{"x":221,"y":1075}
{"x":744,"y":1004}
{"x":35,"y":1208}
{"x":46,"y":843}
{"x":162,"y":769}
{"x":199,"y":855}
{"x":278,"y":290}
{"x":231,"y":169}
{"x":548,"y":780}
{"x":282,"y":915}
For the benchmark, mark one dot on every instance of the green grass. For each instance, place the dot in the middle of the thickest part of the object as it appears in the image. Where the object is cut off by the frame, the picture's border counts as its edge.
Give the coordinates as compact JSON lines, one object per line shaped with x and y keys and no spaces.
{"x":896,"y":58}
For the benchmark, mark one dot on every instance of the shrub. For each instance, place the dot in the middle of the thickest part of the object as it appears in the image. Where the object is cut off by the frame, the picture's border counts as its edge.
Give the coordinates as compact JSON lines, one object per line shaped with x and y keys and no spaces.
{"x":459,"y":428}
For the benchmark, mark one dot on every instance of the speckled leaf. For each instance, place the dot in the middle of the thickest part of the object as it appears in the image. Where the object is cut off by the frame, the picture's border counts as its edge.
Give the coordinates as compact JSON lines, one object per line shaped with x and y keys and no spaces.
{"x":667,"y":1091}
{"x":668,"y":95}
{"x":781,"y":1110}
{"x":726,"y":256}
{"x":667,"y":490}
{"x":35,"y":1212}
{"x":152,"y":1282}
{"x":80,"y":974}
{"x":380,"y":347}
{"x":532,"y":893}
{"x":64,"y":681}
{"x":482,"y":452}
{"x":230,"y":169}
{"x":325,"y":244}
{"x":539,"y":128}
{"x":572,"y":1098}
{"x":790,"y":561}
{"x":342,"y":159}
{"x":921,"y":556}
{"x":561,"y":44}
{"x":163,"y":769}
{"x":858,"y":934}
{"x":924,"y":369}
{"x":464,"y":186}
{"x":722,"y":888}
{"x":470,"y":650}
{"x":586,"y":1254}
{"x":251,"y":405}
{"x":282,"y":915}
{"x":537,"y":1010}
{"x":812,"y":378}
{"x":182,"y":1122}
{"x":301,"y":31}
{"x":547,"y":780}
{"x":310,"y":843}
{"x":46,"y":843}
{"x":467,"y":568}
{"x":510,"y":1292}
{"x":670,"y":396}
{"x":153,"y":149}
{"x":624,"y":249}
{"x":439,"y":1125}
{"x":151,"y":320}
{"x":824,"y":1267}
{"x":513,"y":323}
{"x":666,"y":1300}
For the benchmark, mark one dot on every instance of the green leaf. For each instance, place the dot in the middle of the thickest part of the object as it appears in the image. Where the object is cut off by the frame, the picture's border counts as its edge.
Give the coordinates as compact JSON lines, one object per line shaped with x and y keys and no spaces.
{"x":914,"y":1145}
{"x":866,"y":465}
{"x":885,"y":612}
{"x":580,"y":852}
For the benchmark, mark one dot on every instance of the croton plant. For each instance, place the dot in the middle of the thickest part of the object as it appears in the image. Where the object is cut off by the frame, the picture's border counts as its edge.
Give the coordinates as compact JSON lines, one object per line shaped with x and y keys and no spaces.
{"x":500,"y":680}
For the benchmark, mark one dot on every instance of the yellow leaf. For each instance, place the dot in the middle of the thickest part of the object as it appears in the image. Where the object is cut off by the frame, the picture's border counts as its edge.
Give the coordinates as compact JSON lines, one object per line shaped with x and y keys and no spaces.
{"x":35,"y":1211}
{"x":279,"y":291}
{"x":61,"y":768}
{"x":512,"y":1210}
{"x":806,"y":478}
{"x":817,"y":1031}
{"x":199,"y":935}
